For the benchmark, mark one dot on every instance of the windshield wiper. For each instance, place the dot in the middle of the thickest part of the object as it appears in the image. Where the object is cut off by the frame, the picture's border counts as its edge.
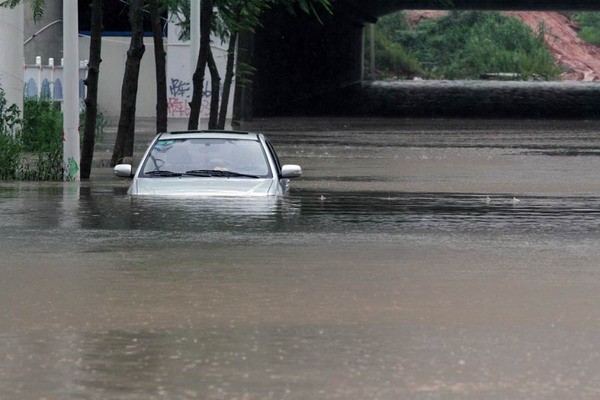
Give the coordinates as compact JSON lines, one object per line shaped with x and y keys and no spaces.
{"x":213,"y":172}
{"x":163,"y":173}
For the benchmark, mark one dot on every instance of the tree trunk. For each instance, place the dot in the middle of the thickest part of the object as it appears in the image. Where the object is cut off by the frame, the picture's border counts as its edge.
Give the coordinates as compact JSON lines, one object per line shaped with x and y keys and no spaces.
{"x":215,"y":91}
{"x":91,"y":101}
{"x":125,"y":132}
{"x":206,"y":14}
{"x":161,"y":68}
{"x":227,"y":82}
{"x":243,"y":97}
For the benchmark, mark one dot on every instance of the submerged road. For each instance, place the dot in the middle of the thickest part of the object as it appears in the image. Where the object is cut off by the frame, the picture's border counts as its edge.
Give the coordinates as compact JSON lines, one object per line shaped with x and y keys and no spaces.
{"x":387,"y":273}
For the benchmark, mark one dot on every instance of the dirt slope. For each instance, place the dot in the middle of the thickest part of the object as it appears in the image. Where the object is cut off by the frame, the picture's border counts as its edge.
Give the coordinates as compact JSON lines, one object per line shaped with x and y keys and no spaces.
{"x":579,"y":60}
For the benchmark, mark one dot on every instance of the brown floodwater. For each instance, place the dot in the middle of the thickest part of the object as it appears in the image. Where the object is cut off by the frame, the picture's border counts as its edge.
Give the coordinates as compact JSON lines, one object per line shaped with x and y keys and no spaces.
{"x":385,"y":274}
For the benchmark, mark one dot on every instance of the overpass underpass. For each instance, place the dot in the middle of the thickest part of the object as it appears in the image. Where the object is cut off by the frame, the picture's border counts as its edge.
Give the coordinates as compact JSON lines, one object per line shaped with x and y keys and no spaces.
{"x":304,"y":67}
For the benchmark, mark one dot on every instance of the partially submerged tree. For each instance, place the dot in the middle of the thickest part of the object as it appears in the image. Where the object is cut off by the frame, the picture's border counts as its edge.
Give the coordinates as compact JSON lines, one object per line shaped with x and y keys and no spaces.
{"x":235,"y":16}
{"x":161,"y":68}
{"x":215,"y":92}
{"x":126,"y":129}
{"x":206,"y":18}
{"x":91,"y":100}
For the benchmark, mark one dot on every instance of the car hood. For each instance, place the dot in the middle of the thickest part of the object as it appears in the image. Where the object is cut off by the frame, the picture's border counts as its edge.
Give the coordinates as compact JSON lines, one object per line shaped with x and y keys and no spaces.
{"x":186,"y":186}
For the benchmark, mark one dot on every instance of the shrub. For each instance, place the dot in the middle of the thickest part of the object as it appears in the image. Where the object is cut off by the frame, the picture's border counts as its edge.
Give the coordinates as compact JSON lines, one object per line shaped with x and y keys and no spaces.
{"x":39,"y":134}
{"x":11,"y":150}
{"x":42,"y":125}
{"x":391,"y":59}
{"x":590,"y":26}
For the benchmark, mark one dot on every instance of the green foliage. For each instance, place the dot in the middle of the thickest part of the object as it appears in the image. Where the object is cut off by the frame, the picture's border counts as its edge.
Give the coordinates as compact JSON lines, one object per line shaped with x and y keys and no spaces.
{"x":239,"y":15}
{"x":44,"y":166}
{"x":30,"y":149}
{"x":11,"y":152}
{"x":42,"y":124}
{"x":42,"y":138}
{"x":467,"y":44}
{"x":590,"y":26}
{"x":9,"y":115}
{"x":37,"y":6}
{"x":391,"y":59}
{"x":393,"y":26}
{"x":11,"y":149}
{"x":310,"y":7}
{"x":244,"y":74}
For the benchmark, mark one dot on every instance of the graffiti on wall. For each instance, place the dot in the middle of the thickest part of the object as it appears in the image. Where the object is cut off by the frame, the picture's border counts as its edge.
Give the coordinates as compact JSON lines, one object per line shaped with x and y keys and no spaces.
{"x":180,"y":96}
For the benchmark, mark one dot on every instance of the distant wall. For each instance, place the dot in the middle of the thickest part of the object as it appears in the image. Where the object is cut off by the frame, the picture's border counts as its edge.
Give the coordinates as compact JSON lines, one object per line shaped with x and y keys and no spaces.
{"x":11,"y":56}
{"x":112,"y":68}
{"x":47,"y":42}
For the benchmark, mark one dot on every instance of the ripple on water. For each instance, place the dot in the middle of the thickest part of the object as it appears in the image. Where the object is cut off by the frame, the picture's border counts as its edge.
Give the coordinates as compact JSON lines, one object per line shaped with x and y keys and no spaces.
{"x":304,"y":211}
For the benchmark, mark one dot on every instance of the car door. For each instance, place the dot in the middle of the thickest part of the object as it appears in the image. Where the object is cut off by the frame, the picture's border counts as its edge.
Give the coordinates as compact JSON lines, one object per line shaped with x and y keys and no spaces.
{"x":282,"y":182}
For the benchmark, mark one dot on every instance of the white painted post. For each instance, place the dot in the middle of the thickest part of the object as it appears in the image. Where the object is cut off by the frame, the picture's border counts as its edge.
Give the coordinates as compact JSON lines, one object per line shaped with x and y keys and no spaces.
{"x":38,"y":64}
{"x":71,"y":153}
{"x":51,"y":65}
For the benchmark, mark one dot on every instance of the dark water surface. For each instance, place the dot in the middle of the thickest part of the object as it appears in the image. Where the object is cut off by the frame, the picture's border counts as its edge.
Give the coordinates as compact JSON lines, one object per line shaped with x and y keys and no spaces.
{"x":384,"y":275}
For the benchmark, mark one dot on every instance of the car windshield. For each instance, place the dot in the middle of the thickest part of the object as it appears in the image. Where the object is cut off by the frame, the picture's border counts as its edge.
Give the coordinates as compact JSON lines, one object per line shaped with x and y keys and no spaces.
{"x":207,"y":157}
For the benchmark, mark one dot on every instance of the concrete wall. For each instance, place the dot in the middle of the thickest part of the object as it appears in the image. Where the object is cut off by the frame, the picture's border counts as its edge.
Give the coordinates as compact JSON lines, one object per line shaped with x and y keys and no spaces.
{"x":466,"y":99}
{"x":112,"y":68}
{"x":11,"y":54}
{"x":47,"y":42}
{"x":179,"y":86}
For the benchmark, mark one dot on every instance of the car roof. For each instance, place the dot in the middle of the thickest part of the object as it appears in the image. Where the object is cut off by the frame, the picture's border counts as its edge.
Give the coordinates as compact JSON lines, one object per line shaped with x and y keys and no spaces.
{"x":210,"y":134}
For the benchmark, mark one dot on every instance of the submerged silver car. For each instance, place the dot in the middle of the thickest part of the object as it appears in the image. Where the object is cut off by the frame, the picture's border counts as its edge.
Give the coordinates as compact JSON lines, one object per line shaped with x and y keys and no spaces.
{"x":217,"y":163}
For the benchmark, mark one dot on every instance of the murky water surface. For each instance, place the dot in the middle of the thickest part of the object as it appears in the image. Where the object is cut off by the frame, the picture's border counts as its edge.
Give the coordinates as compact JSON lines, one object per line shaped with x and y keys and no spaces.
{"x":400,"y":266}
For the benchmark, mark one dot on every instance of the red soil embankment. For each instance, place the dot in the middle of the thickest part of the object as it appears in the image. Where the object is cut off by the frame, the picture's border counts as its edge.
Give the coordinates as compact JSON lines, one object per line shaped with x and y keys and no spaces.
{"x":580,"y":60}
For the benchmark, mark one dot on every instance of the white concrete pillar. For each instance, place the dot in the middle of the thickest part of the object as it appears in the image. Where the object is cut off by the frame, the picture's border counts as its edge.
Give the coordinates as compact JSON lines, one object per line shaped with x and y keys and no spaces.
{"x":71,"y":152}
{"x":11,"y":51}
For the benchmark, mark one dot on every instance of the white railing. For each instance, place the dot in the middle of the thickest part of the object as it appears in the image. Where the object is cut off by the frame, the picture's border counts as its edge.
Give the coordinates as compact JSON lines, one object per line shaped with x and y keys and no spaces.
{"x":46,"y":80}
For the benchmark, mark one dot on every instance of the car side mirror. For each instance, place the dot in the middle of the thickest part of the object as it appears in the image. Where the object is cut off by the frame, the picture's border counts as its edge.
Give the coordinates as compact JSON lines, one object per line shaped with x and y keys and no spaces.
{"x":291,"y":171}
{"x":123,"y":171}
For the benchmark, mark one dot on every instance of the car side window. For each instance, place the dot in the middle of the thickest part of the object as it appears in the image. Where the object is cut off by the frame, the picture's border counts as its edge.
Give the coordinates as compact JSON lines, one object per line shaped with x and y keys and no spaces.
{"x":275,"y":158}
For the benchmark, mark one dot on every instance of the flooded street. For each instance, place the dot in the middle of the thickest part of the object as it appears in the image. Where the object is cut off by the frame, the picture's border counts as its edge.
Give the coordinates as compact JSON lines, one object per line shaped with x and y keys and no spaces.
{"x":415,"y":259}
